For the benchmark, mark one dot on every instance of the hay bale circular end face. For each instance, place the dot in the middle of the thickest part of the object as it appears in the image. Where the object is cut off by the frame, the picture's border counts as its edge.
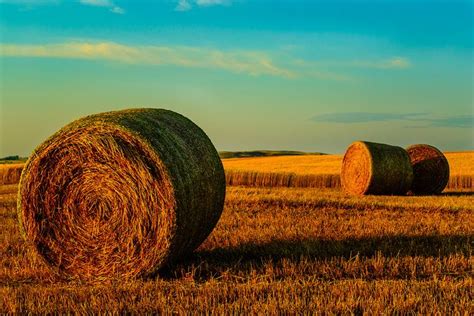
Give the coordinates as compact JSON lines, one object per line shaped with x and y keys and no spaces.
{"x":356,"y":169}
{"x":379,"y":169}
{"x":121,"y":194}
{"x":430,"y":169}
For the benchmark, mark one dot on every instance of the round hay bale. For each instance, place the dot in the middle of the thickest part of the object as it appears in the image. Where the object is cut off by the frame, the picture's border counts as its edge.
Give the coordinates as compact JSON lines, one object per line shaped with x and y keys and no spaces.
{"x":121,"y":194}
{"x":430,"y":169}
{"x":10,"y":173}
{"x":379,"y":169}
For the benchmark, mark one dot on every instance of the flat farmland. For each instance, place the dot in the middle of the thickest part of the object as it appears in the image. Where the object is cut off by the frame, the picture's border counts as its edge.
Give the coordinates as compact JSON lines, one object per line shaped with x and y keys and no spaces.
{"x":280,"y":249}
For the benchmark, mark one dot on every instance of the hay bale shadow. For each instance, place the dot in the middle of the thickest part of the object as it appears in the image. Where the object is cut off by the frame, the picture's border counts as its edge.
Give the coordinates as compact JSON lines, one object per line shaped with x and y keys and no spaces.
{"x":245,"y":256}
{"x":457,"y":194}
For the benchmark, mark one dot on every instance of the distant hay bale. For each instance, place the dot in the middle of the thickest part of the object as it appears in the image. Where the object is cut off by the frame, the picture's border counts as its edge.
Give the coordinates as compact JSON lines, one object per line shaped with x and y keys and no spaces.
{"x":10,"y":173}
{"x":430,"y":169}
{"x":121,"y":194}
{"x":379,"y":169}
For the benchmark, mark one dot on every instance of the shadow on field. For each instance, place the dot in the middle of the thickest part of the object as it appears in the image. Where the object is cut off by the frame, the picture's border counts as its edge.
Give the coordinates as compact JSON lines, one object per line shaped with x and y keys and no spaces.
{"x":251,"y":254}
{"x":457,"y":193}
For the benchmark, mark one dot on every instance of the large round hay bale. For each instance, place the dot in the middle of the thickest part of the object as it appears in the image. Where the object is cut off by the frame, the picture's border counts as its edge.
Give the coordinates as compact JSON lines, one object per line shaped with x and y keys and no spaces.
{"x":121,"y":194}
{"x":430,"y":169}
{"x":379,"y":169}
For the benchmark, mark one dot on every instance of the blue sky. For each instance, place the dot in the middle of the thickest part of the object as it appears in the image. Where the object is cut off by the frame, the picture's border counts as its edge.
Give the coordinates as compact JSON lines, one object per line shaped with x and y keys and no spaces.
{"x":302,"y":75}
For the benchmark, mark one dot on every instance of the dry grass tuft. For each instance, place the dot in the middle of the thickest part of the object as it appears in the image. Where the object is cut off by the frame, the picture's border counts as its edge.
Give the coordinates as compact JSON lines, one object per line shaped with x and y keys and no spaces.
{"x":379,"y":169}
{"x":121,"y":194}
{"x":430,"y":169}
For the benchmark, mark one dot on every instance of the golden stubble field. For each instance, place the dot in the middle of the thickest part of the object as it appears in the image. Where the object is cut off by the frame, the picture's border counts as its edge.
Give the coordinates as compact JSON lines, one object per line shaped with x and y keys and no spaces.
{"x":287,"y":249}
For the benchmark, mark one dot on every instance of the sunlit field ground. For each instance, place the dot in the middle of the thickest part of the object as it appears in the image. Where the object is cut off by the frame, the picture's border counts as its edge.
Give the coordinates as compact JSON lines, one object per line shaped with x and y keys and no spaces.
{"x":290,"y":249}
{"x":283,"y":249}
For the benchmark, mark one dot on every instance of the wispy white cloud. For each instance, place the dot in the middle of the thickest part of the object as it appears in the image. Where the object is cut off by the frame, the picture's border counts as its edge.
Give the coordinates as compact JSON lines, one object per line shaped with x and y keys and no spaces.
{"x":28,"y":5}
{"x":366,"y":117}
{"x":421,"y":119}
{"x":104,"y":3}
{"x":30,"y":2}
{"x":212,"y":2}
{"x":318,"y":70}
{"x":253,"y":63}
{"x":117,"y":10}
{"x":389,"y":63}
{"x":239,"y":61}
{"x":186,"y":5}
{"x":99,"y":3}
{"x":183,"y":5}
{"x":392,"y":63}
{"x":341,"y":70}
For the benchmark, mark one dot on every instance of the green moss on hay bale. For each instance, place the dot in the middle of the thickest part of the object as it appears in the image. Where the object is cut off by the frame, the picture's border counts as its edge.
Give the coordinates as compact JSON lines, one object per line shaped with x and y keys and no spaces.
{"x":121,"y":194}
{"x":379,"y":169}
{"x":430,"y":169}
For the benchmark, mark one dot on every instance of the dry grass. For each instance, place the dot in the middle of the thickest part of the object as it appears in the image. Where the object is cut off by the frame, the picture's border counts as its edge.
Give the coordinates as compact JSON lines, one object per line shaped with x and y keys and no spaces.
{"x":322,"y":171}
{"x":274,"y":250}
{"x":121,"y":194}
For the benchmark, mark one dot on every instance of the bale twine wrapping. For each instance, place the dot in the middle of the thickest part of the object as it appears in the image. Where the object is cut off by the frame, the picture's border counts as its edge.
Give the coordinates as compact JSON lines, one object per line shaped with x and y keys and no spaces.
{"x":379,"y":169}
{"x":121,"y":194}
{"x":430,"y":169}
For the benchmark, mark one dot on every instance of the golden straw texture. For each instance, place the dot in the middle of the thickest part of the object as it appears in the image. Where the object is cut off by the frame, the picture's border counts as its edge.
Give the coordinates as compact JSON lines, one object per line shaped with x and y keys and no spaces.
{"x":121,"y":194}
{"x":10,"y":173}
{"x":378,"y":169}
{"x":430,"y":169}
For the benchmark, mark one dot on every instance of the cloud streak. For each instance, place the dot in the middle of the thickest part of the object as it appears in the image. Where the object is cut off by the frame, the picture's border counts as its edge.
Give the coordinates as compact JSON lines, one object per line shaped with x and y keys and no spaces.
{"x":238,"y":61}
{"x":246,"y":62}
{"x":99,"y":3}
{"x":466,"y":121}
{"x":186,"y":5}
{"x":29,"y":2}
{"x":206,"y":3}
{"x":364,"y":117}
{"x":392,"y":63}
{"x":104,"y":3}
{"x":96,"y":3}
{"x":427,"y":119}
{"x":396,"y":62}
{"x":183,"y":5}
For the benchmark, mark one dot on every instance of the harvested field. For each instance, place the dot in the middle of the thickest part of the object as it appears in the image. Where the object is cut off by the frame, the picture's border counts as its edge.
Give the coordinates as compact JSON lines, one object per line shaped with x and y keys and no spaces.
{"x":280,"y":249}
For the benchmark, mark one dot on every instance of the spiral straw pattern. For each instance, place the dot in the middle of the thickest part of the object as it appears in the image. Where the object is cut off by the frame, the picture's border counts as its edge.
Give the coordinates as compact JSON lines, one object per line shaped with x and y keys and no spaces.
{"x":121,"y":194}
